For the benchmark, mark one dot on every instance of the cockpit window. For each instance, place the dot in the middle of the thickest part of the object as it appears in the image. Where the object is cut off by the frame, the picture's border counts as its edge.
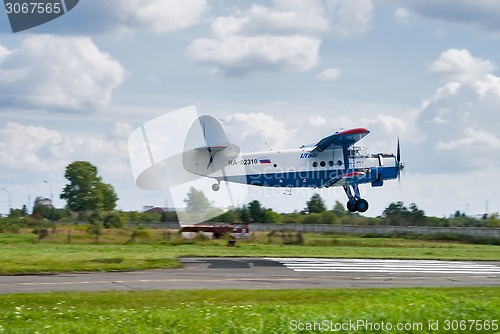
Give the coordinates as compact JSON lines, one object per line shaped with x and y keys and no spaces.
{"x":358,"y":152}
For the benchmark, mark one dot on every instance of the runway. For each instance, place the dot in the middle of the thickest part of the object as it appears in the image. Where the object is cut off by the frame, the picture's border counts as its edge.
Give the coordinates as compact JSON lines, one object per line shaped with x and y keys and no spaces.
{"x":269,"y":273}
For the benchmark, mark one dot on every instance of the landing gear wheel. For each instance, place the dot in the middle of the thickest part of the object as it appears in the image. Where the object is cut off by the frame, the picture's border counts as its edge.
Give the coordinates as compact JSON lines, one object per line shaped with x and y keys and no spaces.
{"x":361,"y":205}
{"x":351,"y":207}
{"x":215,"y":187}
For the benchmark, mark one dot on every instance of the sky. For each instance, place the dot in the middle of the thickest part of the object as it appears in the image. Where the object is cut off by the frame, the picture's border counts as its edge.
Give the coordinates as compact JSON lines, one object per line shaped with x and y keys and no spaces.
{"x":277,"y":73}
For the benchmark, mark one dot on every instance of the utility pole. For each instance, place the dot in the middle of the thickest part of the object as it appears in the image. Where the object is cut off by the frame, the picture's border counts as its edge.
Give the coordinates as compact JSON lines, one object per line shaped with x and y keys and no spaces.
{"x":51,"y":193}
{"x":9,"y":198}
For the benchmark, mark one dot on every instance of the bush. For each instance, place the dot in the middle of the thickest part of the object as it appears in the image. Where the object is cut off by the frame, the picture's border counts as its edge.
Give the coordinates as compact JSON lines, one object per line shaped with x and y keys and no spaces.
{"x":312,"y":218}
{"x":95,"y":229}
{"x":9,"y":225}
{"x":139,"y":232}
{"x":113,"y":220}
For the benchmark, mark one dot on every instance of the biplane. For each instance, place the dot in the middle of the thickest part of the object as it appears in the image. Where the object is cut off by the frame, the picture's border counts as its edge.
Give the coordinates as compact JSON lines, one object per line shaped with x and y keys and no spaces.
{"x":334,"y":161}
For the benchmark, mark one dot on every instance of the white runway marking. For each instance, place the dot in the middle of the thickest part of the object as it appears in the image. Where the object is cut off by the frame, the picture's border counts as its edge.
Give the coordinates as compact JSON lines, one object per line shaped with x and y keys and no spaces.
{"x":387,"y":266}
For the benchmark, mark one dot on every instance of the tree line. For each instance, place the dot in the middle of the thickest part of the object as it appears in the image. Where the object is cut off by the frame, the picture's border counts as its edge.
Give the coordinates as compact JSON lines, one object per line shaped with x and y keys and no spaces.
{"x":316,"y":212}
{"x":90,"y":200}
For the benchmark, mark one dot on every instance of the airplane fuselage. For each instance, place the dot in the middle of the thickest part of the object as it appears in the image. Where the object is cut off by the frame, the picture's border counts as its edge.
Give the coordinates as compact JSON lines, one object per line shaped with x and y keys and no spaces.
{"x":303,"y":168}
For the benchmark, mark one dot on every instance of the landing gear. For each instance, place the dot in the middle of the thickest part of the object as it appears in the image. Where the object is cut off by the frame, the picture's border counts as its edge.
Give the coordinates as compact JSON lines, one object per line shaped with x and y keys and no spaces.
{"x":216,"y":186}
{"x":351,"y":207}
{"x":361,"y":205}
{"x":355,"y":203}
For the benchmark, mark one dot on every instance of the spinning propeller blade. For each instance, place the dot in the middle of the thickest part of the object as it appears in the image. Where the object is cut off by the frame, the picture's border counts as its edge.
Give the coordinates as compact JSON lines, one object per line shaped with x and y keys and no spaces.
{"x":401,"y":165}
{"x":398,"y":154}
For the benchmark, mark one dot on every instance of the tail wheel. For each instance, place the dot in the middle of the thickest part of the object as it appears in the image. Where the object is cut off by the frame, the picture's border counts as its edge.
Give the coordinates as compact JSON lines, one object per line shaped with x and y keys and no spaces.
{"x":215,"y":187}
{"x":361,"y":205}
{"x":351,"y":206}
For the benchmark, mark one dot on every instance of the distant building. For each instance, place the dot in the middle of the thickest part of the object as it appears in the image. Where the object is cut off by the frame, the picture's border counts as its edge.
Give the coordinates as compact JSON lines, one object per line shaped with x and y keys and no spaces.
{"x":42,"y":201}
{"x":155,"y":209}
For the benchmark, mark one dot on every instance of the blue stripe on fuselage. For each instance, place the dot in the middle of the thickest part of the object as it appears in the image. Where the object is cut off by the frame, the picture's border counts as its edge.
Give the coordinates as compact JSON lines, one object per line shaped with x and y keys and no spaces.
{"x":311,"y":178}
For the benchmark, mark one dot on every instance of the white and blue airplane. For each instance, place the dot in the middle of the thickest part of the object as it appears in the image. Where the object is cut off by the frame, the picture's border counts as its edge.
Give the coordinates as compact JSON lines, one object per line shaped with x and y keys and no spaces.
{"x":333,"y":161}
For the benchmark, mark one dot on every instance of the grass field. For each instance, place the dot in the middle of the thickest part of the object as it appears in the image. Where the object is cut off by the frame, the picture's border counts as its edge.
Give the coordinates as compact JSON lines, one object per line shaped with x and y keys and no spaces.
{"x":463,"y":310}
{"x":21,"y":253}
{"x":421,"y":310}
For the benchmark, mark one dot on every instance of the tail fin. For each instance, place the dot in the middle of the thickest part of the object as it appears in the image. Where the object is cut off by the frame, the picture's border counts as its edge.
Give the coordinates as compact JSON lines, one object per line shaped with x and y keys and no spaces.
{"x":207,"y":148}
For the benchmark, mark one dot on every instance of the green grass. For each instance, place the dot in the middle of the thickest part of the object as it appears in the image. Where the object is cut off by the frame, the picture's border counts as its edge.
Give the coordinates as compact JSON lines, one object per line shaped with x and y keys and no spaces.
{"x":21,"y":254}
{"x":236,"y":311}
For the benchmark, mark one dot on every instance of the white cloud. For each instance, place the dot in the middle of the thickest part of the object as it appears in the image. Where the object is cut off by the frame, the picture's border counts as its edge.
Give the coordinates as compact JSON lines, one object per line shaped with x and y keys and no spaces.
{"x":402,"y":14}
{"x":482,"y":14}
{"x":252,"y":131}
{"x":122,"y":130}
{"x":459,"y":65}
{"x":329,"y":74}
{"x":236,"y":55}
{"x":350,"y":17}
{"x":3,"y":52}
{"x":387,"y":124}
{"x":40,"y":150}
{"x":317,"y":121}
{"x":284,"y":36}
{"x":22,"y":146}
{"x":162,"y":15}
{"x":286,"y":17}
{"x":459,"y":123}
{"x":476,"y":139}
{"x":128,"y":16}
{"x":58,"y":73}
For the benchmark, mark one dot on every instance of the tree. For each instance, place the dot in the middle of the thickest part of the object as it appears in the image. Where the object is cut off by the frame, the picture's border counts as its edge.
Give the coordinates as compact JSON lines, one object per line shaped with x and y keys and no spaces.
{"x":312,"y":218}
{"x":108,"y":196}
{"x":244,"y":214}
{"x":271,"y":217}
{"x":95,"y":228}
{"x":292,"y":218}
{"x":42,"y":211}
{"x":196,"y":201}
{"x":398,"y":214}
{"x":85,"y":190}
{"x":395,"y":214}
{"x":339,"y":209}
{"x":169,"y":216}
{"x":228,"y":217}
{"x":328,"y":217}
{"x":315,"y":204}
{"x":198,"y":208}
{"x":256,"y":212}
{"x":17,"y":213}
{"x":417,"y":216}
{"x":114,"y":220}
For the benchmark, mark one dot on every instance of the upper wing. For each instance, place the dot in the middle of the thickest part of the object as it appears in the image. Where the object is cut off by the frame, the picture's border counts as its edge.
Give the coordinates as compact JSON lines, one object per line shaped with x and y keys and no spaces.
{"x":344,"y":139}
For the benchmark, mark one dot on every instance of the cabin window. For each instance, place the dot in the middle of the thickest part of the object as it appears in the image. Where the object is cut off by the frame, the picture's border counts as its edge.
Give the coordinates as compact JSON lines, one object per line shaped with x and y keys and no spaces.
{"x":322,"y":164}
{"x":315,"y":164}
{"x":330,"y":163}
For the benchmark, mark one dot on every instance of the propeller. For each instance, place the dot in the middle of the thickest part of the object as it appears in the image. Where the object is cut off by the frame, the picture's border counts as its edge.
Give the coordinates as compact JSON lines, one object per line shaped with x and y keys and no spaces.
{"x":401,"y":165}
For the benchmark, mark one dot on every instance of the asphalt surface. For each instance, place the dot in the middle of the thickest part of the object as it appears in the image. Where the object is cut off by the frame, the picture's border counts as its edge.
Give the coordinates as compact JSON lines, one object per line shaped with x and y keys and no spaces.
{"x":272,"y":273}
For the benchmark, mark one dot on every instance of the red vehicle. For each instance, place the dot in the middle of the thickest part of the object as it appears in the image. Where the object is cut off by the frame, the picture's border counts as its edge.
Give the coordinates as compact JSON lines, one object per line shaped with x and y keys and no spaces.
{"x":217,"y":230}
